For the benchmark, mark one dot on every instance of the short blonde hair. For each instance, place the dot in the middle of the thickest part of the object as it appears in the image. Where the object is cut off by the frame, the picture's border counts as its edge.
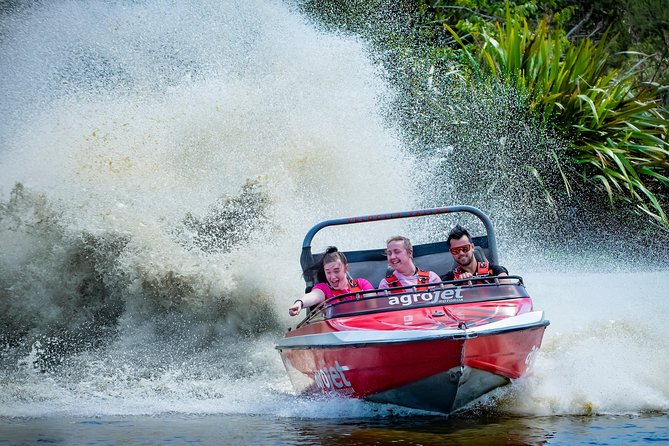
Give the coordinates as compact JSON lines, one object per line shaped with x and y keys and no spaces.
{"x":399,"y":238}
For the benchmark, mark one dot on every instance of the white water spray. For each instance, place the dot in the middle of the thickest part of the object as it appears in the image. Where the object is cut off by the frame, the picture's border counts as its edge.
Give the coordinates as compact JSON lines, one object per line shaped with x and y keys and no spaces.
{"x":135,"y":131}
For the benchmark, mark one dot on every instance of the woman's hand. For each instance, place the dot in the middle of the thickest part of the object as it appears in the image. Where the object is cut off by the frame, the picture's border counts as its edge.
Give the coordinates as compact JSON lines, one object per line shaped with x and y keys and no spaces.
{"x":296,"y":308}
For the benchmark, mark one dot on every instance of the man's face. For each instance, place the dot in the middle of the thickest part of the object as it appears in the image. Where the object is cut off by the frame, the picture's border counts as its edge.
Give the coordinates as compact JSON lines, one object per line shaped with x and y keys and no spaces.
{"x":462,"y":250}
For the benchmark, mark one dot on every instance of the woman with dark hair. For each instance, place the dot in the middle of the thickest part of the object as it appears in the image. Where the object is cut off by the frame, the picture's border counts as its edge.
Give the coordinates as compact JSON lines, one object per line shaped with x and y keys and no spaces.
{"x":334,"y":280}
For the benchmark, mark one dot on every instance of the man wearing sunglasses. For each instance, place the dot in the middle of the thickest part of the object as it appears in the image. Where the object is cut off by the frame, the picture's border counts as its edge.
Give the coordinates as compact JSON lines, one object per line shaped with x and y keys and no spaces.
{"x":462,"y":250}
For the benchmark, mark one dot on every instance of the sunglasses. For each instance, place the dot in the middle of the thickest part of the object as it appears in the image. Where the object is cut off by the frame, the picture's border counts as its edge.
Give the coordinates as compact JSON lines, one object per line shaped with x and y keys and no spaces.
{"x":460,"y":249}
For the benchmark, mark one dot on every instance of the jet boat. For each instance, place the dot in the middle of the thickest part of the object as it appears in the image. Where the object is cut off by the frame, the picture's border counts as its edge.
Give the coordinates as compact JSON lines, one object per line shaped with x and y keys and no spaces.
{"x":436,"y":349}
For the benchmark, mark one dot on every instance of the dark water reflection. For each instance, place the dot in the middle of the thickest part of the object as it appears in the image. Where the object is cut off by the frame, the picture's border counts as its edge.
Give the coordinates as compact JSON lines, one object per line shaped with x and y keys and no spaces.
{"x":427,"y":431}
{"x":261,"y":430}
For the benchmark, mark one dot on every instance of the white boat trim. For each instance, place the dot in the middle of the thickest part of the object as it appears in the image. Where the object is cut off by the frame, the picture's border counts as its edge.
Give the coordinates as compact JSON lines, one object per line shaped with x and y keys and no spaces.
{"x":348,"y":338}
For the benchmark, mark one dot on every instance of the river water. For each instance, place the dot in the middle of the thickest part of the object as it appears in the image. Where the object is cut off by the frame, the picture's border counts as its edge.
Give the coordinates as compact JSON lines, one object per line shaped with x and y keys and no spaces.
{"x":261,"y":430}
{"x":160,"y":163}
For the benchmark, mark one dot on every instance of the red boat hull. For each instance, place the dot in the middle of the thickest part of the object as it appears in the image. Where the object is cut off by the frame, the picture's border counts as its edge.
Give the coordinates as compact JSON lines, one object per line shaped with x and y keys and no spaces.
{"x":428,"y":364}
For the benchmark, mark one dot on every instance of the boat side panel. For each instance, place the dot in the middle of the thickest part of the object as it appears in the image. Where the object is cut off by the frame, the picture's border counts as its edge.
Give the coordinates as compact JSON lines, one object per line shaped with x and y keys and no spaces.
{"x":366,"y":370}
{"x":508,"y":354}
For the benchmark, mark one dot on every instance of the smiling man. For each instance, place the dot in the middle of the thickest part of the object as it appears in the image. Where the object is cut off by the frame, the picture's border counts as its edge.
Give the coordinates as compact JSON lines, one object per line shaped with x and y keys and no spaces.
{"x":462,"y":250}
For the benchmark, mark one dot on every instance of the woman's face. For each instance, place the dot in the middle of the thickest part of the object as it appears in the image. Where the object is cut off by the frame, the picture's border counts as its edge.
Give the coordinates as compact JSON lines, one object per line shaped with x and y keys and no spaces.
{"x":398,"y":256}
{"x":335,"y":273}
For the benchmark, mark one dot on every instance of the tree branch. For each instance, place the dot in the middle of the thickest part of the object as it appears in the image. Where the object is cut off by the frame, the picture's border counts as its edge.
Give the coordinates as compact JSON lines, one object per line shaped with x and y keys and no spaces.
{"x":581,"y":23}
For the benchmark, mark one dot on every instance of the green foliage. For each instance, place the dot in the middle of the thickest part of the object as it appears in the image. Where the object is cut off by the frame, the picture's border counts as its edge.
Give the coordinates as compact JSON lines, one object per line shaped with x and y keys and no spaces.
{"x":478,"y":16}
{"x":641,"y":26}
{"x":644,"y":29}
{"x":600,"y":92}
{"x":618,"y":129}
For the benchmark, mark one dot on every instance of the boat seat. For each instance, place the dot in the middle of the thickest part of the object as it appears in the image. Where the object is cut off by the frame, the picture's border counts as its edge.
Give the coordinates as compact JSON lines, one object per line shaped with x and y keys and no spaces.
{"x":480,"y":254}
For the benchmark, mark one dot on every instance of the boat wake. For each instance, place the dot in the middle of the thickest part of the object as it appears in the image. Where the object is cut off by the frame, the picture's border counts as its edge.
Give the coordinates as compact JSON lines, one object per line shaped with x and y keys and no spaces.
{"x":602,"y":354}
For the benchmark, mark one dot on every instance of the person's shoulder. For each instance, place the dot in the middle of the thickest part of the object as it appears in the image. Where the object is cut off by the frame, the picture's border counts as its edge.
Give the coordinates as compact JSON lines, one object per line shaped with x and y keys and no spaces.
{"x":365,"y":284}
{"x":434,"y":277}
{"x":322,"y":286}
{"x":497,"y":269}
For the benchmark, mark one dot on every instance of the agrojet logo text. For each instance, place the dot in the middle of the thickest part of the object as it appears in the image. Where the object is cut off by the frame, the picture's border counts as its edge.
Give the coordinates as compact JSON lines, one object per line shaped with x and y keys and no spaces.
{"x":434,"y":297}
{"x":332,"y":377}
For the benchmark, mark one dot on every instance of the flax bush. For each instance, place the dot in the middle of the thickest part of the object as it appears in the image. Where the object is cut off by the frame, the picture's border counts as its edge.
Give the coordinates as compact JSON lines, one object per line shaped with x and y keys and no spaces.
{"x":617,"y":128}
